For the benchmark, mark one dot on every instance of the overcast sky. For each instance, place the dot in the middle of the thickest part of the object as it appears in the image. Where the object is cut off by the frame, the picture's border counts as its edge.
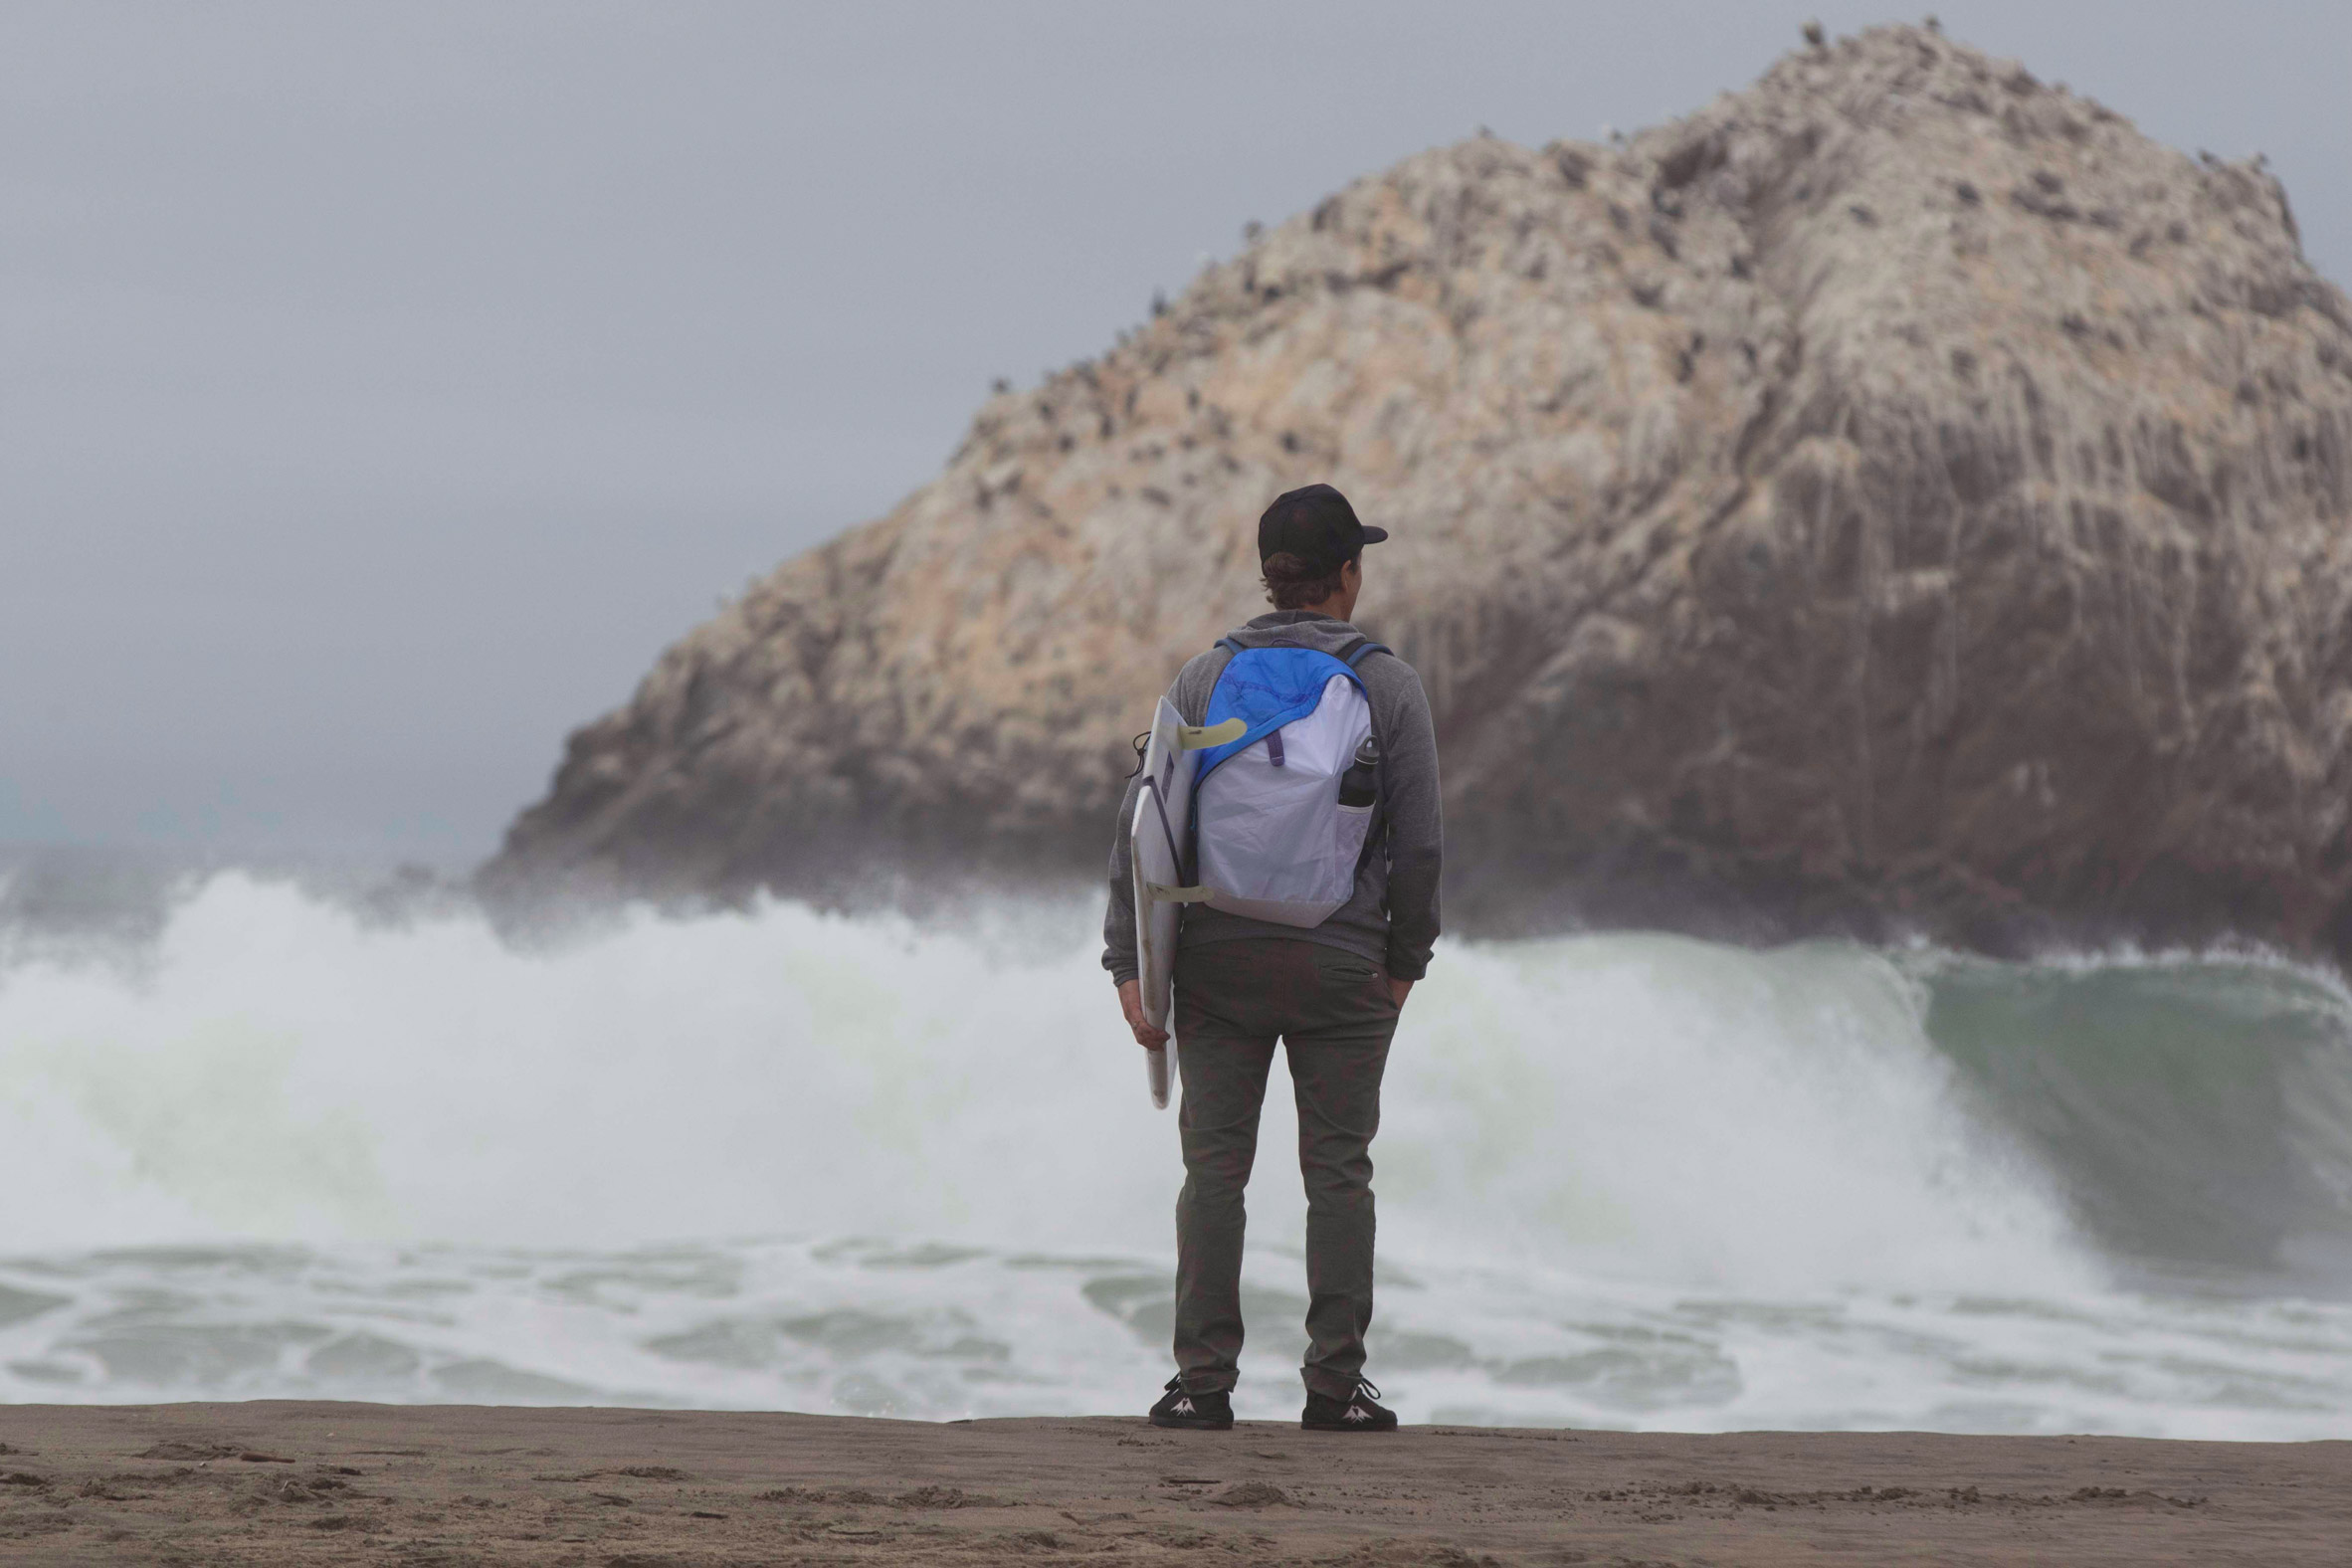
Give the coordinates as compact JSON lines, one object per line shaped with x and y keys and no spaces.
{"x":384,"y":384}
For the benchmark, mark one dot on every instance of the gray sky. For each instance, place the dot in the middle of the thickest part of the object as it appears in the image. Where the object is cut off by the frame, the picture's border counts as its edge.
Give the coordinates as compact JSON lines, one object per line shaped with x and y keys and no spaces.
{"x":382,"y":385}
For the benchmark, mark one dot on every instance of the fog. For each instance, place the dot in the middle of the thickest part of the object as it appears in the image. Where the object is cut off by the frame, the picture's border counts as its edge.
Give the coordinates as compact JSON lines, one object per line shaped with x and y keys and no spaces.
{"x":386,"y":384}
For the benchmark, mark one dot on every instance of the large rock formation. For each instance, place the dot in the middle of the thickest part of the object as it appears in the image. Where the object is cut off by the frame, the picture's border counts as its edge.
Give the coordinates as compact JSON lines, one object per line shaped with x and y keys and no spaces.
{"x":1900,"y":496}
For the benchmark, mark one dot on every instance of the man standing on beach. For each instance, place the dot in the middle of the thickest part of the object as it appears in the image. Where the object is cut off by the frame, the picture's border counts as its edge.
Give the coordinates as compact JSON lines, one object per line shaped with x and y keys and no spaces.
{"x":1330,"y":992}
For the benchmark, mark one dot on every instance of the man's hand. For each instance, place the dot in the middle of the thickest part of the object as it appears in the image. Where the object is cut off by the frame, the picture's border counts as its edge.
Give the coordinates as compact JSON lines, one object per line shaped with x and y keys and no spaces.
{"x":1399,"y":989}
{"x":1131,"y":1004}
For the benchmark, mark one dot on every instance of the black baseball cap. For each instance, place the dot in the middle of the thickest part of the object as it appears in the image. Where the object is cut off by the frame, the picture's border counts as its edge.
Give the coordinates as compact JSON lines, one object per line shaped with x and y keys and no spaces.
{"x":1318,"y":525}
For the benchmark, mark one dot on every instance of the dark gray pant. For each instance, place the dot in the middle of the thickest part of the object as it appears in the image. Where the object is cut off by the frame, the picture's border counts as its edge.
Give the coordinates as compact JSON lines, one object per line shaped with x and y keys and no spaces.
{"x":1333,"y":1011}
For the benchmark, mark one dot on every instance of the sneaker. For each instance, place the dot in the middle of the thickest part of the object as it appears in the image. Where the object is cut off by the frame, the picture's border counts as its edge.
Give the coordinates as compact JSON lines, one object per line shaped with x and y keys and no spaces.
{"x":1356,"y":1413}
{"x":1197,"y":1412}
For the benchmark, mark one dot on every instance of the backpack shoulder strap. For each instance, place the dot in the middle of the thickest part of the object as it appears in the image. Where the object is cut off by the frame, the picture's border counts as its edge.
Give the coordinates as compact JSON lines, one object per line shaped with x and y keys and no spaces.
{"x":1231,"y":651}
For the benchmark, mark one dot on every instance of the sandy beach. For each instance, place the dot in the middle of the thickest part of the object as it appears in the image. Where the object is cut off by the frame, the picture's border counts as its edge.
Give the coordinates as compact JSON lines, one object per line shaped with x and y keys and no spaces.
{"x":286,"y":1482}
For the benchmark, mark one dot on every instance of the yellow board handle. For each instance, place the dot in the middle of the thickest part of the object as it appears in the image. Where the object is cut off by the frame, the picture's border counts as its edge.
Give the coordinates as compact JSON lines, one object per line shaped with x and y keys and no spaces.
{"x":1198,"y":738}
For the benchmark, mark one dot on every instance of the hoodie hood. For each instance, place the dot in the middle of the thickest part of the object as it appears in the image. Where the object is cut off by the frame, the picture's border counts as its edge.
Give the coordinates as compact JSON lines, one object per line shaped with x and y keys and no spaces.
{"x":1298,"y":629}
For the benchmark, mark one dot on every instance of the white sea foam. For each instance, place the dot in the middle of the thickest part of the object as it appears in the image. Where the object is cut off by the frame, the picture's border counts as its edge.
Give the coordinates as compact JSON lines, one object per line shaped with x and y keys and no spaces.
{"x":780,"y":1158}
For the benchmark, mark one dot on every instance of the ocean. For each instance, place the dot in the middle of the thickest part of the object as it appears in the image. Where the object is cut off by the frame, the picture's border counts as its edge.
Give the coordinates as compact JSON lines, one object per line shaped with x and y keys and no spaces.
{"x":267,"y":1142}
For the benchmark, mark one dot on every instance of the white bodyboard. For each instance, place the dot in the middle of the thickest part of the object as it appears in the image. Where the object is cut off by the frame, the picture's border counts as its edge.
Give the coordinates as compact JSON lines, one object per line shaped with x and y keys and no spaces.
{"x":1158,"y":843}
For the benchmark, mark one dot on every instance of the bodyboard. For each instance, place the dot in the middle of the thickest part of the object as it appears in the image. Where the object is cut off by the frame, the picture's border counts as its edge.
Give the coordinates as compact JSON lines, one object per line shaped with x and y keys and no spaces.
{"x":1159,"y":842}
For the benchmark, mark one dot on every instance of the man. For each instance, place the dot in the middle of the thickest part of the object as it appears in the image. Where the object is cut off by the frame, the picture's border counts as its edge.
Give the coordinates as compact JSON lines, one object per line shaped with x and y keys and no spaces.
{"x":1331,"y":993}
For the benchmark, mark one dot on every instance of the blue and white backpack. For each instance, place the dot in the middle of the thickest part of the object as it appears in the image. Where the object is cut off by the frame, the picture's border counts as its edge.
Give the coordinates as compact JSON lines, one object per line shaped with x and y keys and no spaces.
{"x":1272,"y":838}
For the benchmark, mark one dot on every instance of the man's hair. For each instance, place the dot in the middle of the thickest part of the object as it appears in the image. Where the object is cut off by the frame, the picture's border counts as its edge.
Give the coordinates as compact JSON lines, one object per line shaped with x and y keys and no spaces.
{"x":1294,"y":582}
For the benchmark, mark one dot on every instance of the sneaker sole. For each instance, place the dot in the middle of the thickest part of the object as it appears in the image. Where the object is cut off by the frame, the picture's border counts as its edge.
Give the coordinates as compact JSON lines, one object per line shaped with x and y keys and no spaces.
{"x":1339,"y":1425}
{"x":1193,"y":1423}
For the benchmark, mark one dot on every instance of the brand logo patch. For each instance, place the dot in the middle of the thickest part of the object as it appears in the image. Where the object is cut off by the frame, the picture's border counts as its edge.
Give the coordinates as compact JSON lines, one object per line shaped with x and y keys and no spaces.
{"x":1358,"y":1413}
{"x":1183,"y":1406}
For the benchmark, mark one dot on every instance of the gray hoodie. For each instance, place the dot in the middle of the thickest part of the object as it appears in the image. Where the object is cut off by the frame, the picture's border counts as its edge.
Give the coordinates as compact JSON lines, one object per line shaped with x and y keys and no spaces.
{"x":1393,"y":918}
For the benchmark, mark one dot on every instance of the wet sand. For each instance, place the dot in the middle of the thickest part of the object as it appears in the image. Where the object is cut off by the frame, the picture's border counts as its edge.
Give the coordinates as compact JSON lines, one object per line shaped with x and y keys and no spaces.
{"x":283,"y":1481}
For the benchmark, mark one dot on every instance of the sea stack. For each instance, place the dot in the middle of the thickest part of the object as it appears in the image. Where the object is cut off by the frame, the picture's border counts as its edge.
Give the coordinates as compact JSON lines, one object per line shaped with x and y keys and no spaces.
{"x":1898,"y":499}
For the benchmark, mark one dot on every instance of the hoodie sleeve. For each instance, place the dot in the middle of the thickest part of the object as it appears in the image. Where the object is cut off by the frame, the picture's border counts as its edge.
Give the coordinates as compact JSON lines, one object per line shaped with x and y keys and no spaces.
{"x":1118,"y":921}
{"x":1415,"y":828}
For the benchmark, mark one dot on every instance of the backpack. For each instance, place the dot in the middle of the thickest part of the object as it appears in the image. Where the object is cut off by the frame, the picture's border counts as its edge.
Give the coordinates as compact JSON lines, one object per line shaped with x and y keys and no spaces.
{"x":1272,"y":839}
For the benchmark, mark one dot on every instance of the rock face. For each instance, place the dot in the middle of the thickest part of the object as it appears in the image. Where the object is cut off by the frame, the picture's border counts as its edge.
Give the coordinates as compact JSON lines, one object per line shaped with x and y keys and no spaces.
{"x":1900,"y":498}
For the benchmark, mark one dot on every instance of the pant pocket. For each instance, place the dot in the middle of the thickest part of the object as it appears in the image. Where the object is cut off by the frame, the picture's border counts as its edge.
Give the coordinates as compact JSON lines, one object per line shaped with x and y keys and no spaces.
{"x":1342,"y":973}
{"x":1337,"y":966}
